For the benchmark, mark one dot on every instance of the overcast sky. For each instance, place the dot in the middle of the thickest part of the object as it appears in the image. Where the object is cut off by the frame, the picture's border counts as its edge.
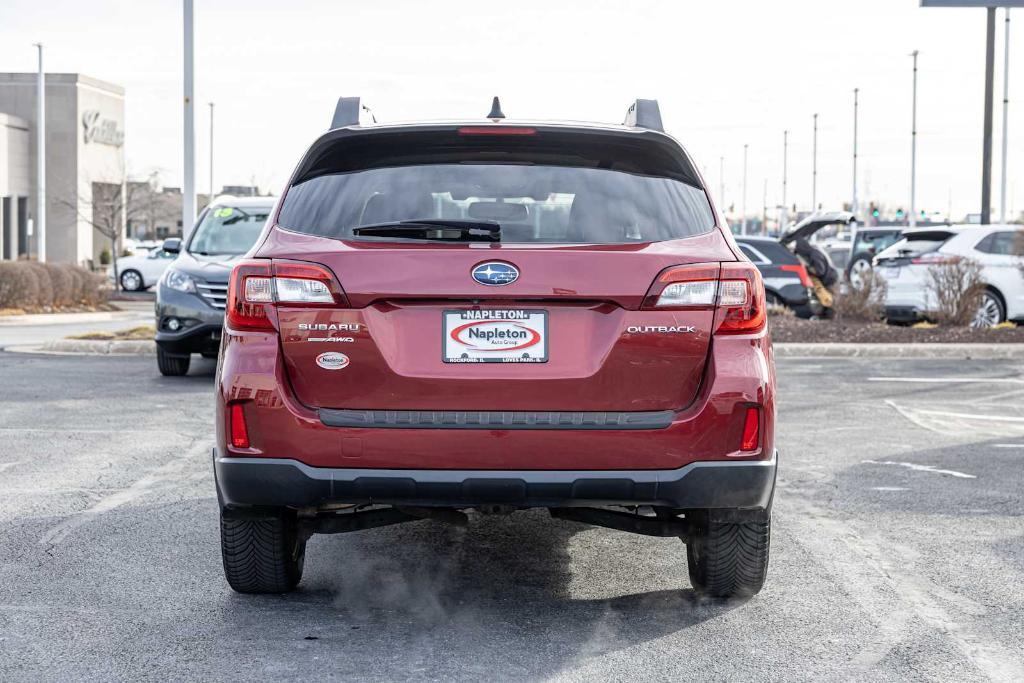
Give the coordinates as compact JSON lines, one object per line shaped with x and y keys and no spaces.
{"x":725,"y":73}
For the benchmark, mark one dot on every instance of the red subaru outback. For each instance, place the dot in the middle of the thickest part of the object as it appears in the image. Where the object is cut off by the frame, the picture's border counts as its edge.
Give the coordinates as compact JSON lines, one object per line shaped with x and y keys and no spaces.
{"x":495,"y":316}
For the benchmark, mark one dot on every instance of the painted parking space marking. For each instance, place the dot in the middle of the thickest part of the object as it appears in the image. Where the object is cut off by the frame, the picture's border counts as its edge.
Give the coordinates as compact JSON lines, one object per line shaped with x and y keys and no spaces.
{"x":950,"y":380}
{"x":921,"y":468}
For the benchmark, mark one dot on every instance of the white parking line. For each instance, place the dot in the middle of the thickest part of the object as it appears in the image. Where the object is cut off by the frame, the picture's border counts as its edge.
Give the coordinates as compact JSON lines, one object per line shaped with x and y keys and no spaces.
{"x":950,"y":380}
{"x":1008,"y":445}
{"x":921,"y":468}
{"x":169,"y":471}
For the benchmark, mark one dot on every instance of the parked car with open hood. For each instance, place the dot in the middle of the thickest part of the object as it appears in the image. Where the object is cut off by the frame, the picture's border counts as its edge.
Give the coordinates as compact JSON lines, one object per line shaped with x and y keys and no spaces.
{"x":487,"y":315}
{"x":193,"y":289}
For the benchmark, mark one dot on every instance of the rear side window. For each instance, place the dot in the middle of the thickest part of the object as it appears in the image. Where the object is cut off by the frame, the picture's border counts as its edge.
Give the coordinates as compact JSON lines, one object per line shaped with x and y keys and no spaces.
{"x":1005,"y":243}
{"x":752,"y":254}
{"x":538,"y":192}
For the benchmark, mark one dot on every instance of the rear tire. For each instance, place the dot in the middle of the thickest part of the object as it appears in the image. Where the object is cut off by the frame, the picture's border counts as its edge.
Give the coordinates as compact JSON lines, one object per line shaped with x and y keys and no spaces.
{"x":262,"y":554}
{"x":727,"y":560}
{"x":172,"y":366}
{"x":132,"y":281}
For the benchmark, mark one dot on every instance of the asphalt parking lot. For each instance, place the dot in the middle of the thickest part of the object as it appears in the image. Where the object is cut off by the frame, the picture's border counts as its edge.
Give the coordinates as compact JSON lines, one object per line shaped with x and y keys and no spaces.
{"x":898,"y":550}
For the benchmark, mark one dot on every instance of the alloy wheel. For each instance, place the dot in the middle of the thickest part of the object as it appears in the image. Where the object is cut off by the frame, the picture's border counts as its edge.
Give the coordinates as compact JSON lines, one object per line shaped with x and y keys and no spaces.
{"x":131,"y":280}
{"x":859,"y":273}
{"x":989,"y":313}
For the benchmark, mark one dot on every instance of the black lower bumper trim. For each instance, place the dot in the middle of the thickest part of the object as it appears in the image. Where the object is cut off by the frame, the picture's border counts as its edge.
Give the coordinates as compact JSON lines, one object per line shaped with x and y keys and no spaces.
{"x":483,"y":419}
{"x":286,"y":482}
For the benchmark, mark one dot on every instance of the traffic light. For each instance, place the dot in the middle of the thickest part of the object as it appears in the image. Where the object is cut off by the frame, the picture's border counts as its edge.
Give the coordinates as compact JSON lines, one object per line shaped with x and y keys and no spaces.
{"x":899,"y":214}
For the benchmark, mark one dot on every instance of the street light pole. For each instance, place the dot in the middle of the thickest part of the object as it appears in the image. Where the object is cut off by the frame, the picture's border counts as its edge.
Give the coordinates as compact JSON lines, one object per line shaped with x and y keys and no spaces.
{"x":913,"y":146}
{"x":41,"y":158}
{"x":1006,"y":106}
{"x":188,"y":195}
{"x":814,"y":168}
{"x":853,"y":204}
{"x":743,"y":229}
{"x":986,"y":143}
{"x":210,"y":200}
{"x":785,"y":154}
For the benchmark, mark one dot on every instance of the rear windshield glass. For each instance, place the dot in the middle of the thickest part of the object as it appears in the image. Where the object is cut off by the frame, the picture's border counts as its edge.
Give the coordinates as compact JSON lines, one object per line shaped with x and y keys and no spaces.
{"x":916,"y":244}
{"x":531,"y":202}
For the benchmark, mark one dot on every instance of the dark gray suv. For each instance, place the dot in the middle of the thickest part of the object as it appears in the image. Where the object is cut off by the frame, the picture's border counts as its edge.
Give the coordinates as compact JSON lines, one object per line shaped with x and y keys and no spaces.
{"x":191,"y":294}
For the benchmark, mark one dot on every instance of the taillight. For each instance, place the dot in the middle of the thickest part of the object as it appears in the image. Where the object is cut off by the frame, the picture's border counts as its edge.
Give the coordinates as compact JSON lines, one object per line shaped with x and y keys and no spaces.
{"x":800,"y":270}
{"x":934,"y":258}
{"x":741,"y":307}
{"x":734,"y":290}
{"x":237,"y":427}
{"x":751,"y":430}
{"x":258,"y":285}
{"x":692,"y":286}
{"x":250,"y":296}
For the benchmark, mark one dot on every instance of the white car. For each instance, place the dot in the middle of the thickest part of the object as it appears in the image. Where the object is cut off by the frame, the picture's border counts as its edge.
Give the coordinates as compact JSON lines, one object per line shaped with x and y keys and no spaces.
{"x":141,"y":270}
{"x":999,"y":249}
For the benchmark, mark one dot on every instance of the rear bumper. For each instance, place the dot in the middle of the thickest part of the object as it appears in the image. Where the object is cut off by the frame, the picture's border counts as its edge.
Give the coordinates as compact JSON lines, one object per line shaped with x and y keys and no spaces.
{"x":700,"y":485}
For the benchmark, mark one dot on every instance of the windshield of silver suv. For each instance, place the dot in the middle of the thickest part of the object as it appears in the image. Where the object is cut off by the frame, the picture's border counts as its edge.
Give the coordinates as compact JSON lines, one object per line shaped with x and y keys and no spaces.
{"x":228,"y":230}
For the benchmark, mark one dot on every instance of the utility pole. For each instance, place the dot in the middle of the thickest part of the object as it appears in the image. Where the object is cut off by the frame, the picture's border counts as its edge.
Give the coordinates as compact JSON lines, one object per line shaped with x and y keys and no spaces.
{"x":913,"y":145}
{"x":785,"y":153}
{"x":210,"y":200}
{"x":41,"y":158}
{"x":814,"y":168}
{"x":1006,"y":107}
{"x":743,"y":229}
{"x":764,"y":209}
{"x":853,"y":204}
{"x":188,"y":194}
{"x":986,"y":142}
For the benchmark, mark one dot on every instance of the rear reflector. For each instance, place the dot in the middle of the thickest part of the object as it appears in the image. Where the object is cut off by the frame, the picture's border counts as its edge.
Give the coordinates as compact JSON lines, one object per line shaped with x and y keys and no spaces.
{"x":751,"y":430}
{"x":239,"y":431}
{"x":495,"y":130}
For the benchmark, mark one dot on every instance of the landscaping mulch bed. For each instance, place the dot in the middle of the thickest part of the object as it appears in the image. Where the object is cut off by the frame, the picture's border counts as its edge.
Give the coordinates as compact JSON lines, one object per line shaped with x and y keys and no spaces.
{"x":786,"y":328}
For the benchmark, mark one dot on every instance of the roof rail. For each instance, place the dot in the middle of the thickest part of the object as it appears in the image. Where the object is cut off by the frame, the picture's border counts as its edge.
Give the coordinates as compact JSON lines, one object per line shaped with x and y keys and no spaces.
{"x":348,"y":112}
{"x":644,"y":114}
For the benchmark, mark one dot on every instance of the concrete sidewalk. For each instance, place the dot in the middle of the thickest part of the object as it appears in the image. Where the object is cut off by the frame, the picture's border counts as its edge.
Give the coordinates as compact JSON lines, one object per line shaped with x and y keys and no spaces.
{"x":40,"y":328}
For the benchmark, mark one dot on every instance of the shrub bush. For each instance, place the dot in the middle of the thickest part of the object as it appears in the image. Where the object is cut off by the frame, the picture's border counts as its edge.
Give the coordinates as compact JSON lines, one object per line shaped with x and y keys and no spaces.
{"x":43,"y":297}
{"x":954,"y":291}
{"x":63,"y":284}
{"x":18,"y":286}
{"x":866,"y":302}
{"x":32,"y":286}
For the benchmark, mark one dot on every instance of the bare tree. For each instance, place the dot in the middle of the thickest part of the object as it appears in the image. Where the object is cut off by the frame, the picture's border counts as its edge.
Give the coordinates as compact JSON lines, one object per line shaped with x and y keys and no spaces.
{"x":109,"y":206}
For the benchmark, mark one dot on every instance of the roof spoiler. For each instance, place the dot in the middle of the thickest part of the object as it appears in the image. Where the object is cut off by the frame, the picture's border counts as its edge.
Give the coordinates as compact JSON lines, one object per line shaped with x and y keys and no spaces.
{"x":349,"y":112}
{"x":644,"y":114}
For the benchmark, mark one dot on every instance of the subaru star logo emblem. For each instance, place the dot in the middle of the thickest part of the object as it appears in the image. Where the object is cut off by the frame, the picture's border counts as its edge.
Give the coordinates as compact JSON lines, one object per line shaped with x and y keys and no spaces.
{"x":495,"y":273}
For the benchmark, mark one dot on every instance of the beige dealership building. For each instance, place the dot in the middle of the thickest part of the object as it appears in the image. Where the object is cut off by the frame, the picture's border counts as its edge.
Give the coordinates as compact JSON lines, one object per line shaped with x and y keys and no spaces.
{"x":84,"y":160}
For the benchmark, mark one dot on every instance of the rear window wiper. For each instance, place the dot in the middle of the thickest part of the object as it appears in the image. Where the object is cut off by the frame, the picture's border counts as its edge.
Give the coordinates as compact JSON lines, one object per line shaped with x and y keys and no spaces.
{"x":444,"y":229}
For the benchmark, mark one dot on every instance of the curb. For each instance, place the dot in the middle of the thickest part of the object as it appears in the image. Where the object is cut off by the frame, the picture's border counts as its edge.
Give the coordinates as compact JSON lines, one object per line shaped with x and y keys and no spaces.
{"x":912,"y":350}
{"x":88,"y":347}
{"x":36,"y":319}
